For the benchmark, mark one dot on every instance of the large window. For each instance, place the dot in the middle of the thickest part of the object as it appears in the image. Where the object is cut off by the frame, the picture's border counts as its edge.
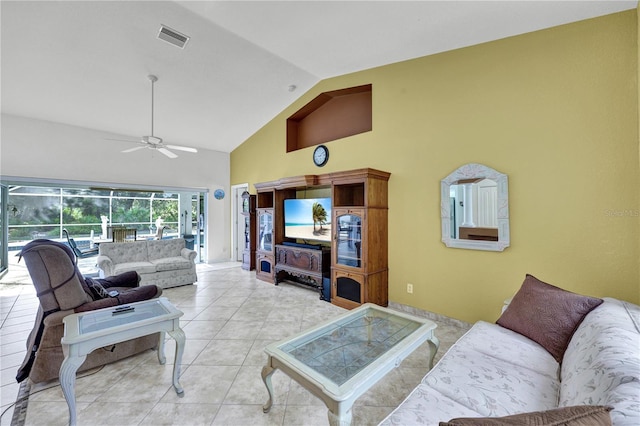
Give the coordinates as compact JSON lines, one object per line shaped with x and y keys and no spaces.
{"x":43,"y":212}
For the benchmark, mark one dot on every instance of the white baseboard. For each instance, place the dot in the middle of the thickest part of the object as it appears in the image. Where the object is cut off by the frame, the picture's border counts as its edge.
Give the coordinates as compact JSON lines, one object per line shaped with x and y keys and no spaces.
{"x":429,"y":315}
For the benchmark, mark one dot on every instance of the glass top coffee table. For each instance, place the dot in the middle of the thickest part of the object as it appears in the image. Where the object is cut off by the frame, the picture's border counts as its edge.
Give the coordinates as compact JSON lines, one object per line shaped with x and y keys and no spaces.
{"x":341,"y":359}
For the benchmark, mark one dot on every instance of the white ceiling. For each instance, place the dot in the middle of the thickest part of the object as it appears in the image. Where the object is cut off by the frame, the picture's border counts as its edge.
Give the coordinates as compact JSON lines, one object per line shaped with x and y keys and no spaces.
{"x":85,"y":63}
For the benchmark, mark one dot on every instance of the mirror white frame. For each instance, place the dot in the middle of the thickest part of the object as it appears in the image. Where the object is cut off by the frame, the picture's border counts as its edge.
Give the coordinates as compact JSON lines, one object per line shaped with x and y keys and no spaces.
{"x":476,"y":171}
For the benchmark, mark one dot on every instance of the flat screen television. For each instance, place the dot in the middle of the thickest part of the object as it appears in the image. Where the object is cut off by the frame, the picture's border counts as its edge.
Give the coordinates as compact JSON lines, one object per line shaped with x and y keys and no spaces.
{"x":308,"y":218}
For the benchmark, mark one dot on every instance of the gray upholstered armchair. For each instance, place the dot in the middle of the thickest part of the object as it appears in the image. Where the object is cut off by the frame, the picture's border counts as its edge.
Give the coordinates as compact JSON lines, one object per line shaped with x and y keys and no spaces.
{"x":62,"y":290}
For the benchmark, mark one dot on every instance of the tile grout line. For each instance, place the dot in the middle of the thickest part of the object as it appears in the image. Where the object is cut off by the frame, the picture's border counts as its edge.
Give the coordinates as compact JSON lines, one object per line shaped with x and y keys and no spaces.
{"x":15,"y":300}
{"x":231,"y":289}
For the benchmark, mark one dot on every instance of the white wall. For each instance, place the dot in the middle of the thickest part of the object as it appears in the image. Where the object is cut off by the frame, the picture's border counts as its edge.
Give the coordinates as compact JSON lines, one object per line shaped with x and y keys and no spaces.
{"x":32,"y":148}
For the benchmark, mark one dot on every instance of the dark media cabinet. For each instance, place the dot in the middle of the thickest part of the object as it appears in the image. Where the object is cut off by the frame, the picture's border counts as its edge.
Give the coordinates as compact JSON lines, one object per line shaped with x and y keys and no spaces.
{"x":302,"y":264}
{"x":356,"y":262}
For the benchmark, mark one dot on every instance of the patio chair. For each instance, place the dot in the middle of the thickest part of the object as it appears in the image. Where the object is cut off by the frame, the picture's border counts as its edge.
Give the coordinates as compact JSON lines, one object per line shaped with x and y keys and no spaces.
{"x":121,"y":235}
{"x":62,"y":290}
{"x":74,"y":246}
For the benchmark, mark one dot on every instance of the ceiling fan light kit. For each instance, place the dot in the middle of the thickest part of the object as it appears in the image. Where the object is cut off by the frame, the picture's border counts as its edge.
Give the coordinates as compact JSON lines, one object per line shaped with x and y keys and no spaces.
{"x":154,"y":142}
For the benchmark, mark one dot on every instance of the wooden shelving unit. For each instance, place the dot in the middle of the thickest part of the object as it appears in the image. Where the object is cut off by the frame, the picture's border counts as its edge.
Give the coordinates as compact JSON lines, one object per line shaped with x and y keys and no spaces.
{"x":359,"y":264}
{"x":264,"y":234}
{"x":359,"y":247}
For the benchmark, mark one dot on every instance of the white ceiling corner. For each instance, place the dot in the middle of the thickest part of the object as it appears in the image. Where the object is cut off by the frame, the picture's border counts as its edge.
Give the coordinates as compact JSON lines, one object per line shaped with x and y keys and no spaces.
{"x":86,"y":63}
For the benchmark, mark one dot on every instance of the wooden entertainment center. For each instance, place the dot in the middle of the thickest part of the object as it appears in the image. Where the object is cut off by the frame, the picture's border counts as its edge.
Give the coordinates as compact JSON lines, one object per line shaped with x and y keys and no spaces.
{"x":356,"y":259}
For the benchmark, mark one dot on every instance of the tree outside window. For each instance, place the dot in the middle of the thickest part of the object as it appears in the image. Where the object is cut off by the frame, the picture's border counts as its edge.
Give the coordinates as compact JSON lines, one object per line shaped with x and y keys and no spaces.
{"x":42,"y":212}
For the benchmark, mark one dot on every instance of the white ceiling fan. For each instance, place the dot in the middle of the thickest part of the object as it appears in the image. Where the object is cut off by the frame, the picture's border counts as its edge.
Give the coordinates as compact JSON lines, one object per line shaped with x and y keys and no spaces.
{"x":154,"y":142}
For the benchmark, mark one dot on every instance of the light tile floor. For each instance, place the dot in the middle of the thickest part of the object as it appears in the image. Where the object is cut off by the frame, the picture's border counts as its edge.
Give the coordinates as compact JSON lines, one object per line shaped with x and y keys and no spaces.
{"x":229,"y":317}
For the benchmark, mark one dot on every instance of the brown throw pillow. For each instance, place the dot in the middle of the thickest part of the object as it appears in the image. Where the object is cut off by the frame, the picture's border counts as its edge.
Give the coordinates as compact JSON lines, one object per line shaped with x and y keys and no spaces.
{"x":580,"y":415}
{"x":547,"y":314}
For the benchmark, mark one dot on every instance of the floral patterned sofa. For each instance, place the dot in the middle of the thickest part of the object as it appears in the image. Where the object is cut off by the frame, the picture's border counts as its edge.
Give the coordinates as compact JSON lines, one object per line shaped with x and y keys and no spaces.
{"x":165,"y":263}
{"x":509,"y":373}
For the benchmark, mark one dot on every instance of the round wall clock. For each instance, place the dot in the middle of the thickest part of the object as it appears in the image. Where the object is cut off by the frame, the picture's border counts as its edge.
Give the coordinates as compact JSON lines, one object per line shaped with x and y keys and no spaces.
{"x":219,"y":194}
{"x":320,"y":155}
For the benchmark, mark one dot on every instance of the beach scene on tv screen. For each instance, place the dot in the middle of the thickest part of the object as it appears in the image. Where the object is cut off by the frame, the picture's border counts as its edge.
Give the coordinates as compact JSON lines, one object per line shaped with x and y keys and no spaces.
{"x":308,"y":219}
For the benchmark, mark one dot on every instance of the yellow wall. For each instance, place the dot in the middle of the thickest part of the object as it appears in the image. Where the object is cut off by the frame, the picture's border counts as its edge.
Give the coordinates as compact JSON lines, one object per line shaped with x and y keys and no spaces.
{"x":556,"y":110}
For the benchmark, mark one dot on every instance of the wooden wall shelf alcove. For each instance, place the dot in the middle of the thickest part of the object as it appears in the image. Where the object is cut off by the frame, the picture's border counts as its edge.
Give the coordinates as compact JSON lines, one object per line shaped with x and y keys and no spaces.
{"x":330,"y":116}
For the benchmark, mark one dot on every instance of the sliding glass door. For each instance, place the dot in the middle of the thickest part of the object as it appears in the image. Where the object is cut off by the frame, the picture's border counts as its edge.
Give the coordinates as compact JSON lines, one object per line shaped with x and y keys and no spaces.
{"x":39,"y":211}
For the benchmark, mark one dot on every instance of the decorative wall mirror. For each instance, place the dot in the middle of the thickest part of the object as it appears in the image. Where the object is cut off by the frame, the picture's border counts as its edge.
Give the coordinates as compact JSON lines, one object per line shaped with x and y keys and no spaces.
{"x":474,"y":206}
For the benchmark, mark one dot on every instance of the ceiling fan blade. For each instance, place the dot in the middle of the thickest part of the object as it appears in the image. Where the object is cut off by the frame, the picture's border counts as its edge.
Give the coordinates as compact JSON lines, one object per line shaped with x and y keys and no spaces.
{"x":168,"y":153}
{"x":182,"y":148}
{"x":134,"y":149}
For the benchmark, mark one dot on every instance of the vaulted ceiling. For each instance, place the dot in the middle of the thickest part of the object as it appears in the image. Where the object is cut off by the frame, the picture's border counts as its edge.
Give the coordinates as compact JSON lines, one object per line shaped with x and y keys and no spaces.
{"x":86,"y":63}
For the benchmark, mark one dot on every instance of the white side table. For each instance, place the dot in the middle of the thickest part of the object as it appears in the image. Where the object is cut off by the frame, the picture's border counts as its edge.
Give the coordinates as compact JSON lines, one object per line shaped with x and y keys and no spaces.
{"x":84,"y":332}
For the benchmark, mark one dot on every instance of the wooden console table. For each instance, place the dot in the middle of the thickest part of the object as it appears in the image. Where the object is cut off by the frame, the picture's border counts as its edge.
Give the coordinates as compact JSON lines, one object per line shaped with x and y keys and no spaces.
{"x":306,"y":266}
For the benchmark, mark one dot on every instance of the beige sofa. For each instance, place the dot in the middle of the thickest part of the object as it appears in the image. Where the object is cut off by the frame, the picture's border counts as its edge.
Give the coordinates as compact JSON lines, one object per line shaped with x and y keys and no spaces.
{"x":495,"y":375}
{"x":165,"y":263}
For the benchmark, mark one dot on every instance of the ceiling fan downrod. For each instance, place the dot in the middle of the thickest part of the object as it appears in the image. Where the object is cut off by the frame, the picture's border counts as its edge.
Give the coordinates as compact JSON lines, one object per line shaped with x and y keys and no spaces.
{"x":153,"y":142}
{"x":152,"y":79}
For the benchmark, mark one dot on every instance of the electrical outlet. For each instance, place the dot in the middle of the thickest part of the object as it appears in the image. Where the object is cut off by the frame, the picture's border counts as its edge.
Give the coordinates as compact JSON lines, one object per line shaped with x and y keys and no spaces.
{"x":409,"y":288}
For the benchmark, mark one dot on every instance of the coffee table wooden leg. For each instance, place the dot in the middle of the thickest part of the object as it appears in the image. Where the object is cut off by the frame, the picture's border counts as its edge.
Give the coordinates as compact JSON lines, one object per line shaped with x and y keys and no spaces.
{"x":267,"y":371}
{"x":434,"y":344}
{"x":179,"y":337}
{"x":68,"y":382}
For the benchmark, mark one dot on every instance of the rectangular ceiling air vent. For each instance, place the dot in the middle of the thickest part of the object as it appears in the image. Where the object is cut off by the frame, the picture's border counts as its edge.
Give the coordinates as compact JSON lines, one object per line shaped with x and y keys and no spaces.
{"x":172,"y":36}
